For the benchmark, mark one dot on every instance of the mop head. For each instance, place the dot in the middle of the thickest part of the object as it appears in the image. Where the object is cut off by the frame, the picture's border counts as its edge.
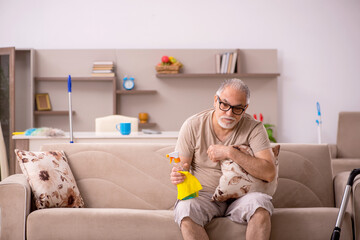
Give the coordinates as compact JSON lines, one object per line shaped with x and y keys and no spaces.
{"x":44,"y":131}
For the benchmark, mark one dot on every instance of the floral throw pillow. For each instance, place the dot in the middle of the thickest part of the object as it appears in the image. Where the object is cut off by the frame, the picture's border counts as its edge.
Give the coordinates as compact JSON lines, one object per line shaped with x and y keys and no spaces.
{"x":235,"y":182}
{"x":50,"y":179}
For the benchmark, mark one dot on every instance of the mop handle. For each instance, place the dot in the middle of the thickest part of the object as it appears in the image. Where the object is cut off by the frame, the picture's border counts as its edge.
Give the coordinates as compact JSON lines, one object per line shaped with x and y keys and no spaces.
{"x":318,"y":121}
{"x":70,"y":109}
{"x":336,"y":233}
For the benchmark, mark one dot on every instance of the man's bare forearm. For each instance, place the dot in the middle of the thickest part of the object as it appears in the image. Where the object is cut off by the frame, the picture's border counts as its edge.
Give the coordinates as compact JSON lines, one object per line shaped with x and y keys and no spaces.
{"x":261,"y":167}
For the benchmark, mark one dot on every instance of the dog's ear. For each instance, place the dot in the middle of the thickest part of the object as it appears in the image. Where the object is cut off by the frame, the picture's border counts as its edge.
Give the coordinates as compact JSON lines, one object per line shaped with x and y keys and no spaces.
{"x":276,"y":150}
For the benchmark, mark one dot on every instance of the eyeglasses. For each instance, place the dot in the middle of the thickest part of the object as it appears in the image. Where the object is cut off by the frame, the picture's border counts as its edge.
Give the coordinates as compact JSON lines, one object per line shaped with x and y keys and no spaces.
{"x":237,"y":110}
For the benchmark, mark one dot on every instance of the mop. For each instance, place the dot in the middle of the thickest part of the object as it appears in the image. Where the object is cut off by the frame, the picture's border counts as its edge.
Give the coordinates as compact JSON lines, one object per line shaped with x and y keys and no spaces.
{"x":318,"y":122}
{"x":70,"y":110}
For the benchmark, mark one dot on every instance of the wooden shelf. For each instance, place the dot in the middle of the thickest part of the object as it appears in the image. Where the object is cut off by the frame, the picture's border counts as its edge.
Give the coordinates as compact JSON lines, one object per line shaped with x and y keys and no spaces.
{"x":89,"y":79}
{"x":81,"y":79}
{"x":135,"y":92}
{"x":147,"y":125}
{"x":55,"y":113}
{"x":132,"y":92}
{"x":218,"y":75}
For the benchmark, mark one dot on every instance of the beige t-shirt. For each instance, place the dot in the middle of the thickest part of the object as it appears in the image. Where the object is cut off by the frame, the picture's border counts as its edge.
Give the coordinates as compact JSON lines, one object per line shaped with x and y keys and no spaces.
{"x":197,"y":134}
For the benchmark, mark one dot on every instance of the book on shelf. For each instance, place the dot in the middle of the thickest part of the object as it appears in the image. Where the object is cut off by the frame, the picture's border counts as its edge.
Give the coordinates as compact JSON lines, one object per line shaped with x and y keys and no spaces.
{"x":228,"y":70}
{"x":234,"y":62}
{"x":227,"y":56}
{"x":227,"y":64}
{"x":223,"y":62}
{"x":217,"y":62}
{"x":106,"y":63}
{"x":103,"y":69}
{"x":103,"y":74}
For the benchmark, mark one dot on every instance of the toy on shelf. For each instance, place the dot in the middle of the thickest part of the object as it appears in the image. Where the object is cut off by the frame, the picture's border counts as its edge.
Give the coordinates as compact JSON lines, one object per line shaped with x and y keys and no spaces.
{"x":191,"y":186}
{"x":268,"y":127}
{"x":168,"y":65}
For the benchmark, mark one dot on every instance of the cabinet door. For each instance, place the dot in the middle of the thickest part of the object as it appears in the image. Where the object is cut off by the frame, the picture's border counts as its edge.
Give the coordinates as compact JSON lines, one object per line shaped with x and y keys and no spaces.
{"x":7,"y":99}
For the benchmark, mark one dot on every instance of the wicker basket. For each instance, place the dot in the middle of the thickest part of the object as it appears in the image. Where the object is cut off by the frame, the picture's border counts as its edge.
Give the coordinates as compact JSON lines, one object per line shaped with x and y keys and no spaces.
{"x":168,"y":69}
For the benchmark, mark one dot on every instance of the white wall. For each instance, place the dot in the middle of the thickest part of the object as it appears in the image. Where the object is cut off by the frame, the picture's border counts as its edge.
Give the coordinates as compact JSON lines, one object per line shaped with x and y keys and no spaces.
{"x":318,"y":42}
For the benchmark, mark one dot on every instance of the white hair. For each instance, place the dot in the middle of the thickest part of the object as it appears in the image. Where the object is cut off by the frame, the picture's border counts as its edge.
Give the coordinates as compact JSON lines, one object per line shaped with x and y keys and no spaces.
{"x":236,"y":84}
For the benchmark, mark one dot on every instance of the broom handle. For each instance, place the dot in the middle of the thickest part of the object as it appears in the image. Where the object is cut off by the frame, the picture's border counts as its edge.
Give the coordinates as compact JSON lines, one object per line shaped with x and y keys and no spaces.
{"x":70,"y":110}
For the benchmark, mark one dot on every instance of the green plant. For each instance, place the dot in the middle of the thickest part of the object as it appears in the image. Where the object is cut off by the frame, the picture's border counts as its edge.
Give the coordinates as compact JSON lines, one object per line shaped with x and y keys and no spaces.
{"x":269,"y":128}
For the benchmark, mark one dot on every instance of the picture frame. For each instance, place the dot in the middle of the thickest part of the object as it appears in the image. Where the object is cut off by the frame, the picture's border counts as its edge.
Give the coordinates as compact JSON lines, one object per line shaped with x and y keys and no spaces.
{"x":42,"y":102}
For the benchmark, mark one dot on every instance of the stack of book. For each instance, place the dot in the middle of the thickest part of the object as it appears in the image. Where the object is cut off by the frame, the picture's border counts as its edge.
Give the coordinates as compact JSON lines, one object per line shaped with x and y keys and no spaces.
{"x":226,"y":62}
{"x":103,"y":69}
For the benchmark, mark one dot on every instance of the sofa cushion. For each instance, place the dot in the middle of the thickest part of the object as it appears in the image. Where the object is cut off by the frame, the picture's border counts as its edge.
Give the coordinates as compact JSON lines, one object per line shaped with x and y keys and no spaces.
{"x":50,"y":179}
{"x":102,"y":223}
{"x":288,"y":223}
{"x":131,"y":224}
{"x":348,"y":135}
{"x":305,"y":177}
{"x":123,"y":175}
{"x":308,"y":223}
{"x":137,"y":175}
{"x":344,"y":164}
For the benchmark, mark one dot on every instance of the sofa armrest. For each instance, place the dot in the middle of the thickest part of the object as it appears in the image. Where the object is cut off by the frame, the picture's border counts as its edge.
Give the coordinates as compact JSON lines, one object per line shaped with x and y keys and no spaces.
{"x":333,"y":150}
{"x":15,"y":196}
{"x":353,"y":206}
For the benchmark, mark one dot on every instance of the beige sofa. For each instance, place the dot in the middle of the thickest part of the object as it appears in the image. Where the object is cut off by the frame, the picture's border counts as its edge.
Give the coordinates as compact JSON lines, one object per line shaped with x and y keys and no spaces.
{"x":346,"y":153}
{"x":128,"y":195}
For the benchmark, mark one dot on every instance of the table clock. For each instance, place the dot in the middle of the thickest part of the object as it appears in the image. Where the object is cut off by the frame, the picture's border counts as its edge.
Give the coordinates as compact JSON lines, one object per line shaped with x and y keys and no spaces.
{"x":128,"y":83}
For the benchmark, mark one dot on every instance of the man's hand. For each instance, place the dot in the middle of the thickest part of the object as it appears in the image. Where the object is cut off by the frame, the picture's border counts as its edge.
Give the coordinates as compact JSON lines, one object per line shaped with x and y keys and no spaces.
{"x":176,"y":177}
{"x":218,"y":152}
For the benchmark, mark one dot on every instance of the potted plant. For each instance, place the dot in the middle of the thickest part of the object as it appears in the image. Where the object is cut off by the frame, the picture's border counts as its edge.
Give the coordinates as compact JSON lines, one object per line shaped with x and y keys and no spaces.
{"x":269,"y":128}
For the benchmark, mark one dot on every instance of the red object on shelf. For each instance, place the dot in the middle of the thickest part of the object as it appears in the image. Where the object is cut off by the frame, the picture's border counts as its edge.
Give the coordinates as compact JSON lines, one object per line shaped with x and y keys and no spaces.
{"x":165,"y":59}
{"x":260,"y":116}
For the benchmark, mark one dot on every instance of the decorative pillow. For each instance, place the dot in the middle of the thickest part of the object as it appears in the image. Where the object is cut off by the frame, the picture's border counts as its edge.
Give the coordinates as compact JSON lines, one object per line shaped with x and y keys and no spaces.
{"x":236,"y":182}
{"x":50,"y":179}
